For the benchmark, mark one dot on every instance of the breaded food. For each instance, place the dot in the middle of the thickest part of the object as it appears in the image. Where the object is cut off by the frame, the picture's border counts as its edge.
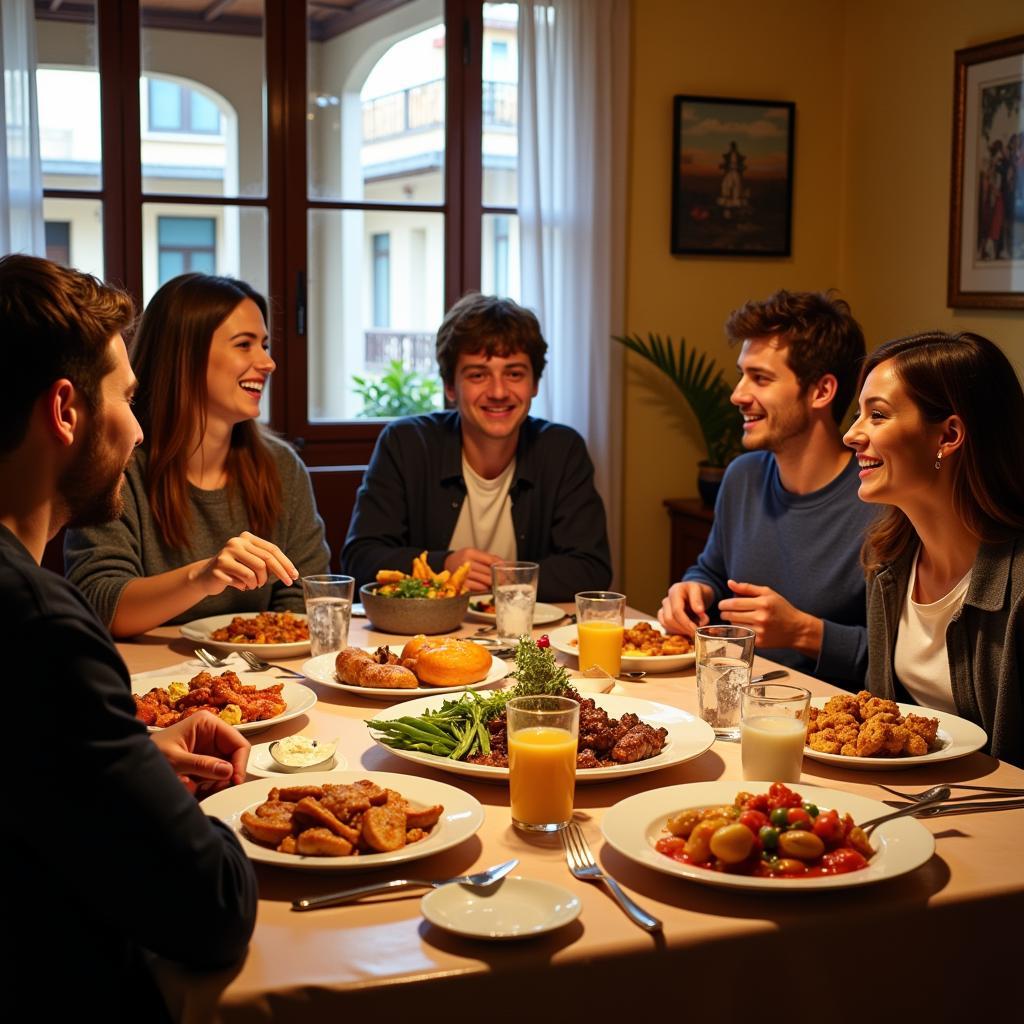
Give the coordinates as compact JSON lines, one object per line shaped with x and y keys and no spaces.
{"x":264,"y":628}
{"x":867,"y":726}
{"x":225,"y":696}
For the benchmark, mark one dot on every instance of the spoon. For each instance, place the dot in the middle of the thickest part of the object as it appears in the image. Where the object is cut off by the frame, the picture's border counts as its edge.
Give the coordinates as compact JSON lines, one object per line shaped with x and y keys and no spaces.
{"x":930,"y":798}
{"x":481,"y":880}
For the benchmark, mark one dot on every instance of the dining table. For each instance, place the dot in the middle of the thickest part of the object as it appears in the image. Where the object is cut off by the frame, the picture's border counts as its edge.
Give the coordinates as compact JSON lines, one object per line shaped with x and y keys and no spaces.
{"x":936,"y":942}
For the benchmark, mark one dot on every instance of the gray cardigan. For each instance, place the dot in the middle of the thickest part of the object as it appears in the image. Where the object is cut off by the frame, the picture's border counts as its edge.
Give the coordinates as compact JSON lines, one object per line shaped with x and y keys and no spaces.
{"x":102,"y":560}
{"x":984,"y":643}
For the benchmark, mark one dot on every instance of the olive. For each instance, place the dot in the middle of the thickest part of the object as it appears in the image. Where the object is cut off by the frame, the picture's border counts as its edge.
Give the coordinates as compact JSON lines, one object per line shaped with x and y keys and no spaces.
{"x":682,"y":823}
{"x":769,"y":837}
{"x":800,"y":844}
{"x":732,"y":843}
{"x":811,"y":809}
{"x":787,"y":866}
{"x":779,"y":816}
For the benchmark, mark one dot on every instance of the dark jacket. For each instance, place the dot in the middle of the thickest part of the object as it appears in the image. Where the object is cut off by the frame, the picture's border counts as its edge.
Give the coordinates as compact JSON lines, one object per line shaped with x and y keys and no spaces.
{"x":984,"y":643}
{"x":413,"y":491}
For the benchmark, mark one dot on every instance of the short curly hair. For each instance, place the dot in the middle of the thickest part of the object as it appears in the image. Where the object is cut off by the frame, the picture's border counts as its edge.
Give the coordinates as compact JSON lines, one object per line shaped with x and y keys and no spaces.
{"x":494,"y":326}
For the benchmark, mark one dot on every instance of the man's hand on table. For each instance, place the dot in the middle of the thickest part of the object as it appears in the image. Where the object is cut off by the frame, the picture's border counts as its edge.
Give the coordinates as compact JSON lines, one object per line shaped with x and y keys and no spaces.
{"x":775,"y":622}
{"x":205,"y":753}
{"x":685,"y":607}
{"x":480,"y":562}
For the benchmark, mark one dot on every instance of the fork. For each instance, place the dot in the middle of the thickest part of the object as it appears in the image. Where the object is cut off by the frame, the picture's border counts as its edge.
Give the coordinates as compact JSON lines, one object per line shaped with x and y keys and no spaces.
{"x":582,"y":864}
{"x":211,"y":660}
{"x":259,"y":665}
{"x":990,"y":792}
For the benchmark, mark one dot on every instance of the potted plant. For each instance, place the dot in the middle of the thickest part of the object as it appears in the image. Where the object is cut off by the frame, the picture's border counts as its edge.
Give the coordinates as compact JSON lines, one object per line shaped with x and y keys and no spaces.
{"x":699,"y":380}
{"x":397,"y":392}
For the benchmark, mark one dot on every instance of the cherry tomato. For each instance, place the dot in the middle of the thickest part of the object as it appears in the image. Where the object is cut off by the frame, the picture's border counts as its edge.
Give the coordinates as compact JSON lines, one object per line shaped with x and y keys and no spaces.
{"x":543,"y":641}
{"x":780,"y":795}
{"x":797,"y":817}
{"x":838,"y":862}
{"x":670,"y":844}
{"x":769,"y":837}
{"x":758,"y":803}
{"x":779,"y":817}
{"x":754,"y":820}
{"x":829,"y":828}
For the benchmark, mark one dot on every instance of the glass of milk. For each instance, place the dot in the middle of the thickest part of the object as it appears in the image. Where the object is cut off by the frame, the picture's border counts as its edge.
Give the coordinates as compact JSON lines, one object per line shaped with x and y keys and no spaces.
{"x":773,"y":729}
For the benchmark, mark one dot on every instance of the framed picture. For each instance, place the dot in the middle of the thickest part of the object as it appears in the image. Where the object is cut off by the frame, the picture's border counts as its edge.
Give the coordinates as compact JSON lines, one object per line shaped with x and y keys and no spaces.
{"x":986,"y":231}
{"x":732,"y":176}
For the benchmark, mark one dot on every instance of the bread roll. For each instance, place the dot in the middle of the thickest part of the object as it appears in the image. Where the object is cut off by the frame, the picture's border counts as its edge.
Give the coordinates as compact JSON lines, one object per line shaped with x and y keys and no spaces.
{"x":446,"y":662}
{"x":357,"y":668}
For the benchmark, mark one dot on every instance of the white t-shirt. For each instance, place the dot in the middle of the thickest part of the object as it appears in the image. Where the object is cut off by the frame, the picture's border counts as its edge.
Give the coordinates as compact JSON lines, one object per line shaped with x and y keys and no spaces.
{"x":485,"y":520}
{"x":921,"y":662}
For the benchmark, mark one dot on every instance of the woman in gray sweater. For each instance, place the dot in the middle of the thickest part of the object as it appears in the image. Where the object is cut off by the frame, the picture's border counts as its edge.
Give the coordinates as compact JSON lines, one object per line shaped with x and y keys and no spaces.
{"x":940,"y":439}
{"x":219,"y":515}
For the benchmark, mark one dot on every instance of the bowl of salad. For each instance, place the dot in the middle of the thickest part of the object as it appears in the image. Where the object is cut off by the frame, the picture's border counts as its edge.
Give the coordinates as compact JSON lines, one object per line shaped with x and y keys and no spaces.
{"x":423,"y":602}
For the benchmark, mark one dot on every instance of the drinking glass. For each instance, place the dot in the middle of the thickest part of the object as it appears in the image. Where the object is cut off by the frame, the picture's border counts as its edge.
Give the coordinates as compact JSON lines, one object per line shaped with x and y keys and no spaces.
{"x":724,"y":655}
{"x":329,"y":609}
{"x":514,"y":586}
{"x":773,"y":730}
{"x":600,"y":621}
{"x":542,"y":737}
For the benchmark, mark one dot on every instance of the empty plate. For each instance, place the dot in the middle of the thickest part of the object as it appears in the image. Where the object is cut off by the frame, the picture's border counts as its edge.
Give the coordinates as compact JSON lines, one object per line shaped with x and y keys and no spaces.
{"x":514,"y":908}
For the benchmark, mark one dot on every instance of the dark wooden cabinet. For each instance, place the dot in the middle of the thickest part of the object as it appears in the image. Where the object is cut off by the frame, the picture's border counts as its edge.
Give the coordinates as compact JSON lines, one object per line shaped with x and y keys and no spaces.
{"x":690,"y":520}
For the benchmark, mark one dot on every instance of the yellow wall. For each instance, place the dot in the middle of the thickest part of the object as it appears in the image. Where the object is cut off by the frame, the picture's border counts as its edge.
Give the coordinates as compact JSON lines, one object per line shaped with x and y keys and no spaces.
{"x":872,"y":83}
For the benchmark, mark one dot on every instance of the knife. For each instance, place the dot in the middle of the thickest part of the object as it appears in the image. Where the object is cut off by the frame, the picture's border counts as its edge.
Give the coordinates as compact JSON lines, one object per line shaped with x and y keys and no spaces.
{"x":775,"y":674}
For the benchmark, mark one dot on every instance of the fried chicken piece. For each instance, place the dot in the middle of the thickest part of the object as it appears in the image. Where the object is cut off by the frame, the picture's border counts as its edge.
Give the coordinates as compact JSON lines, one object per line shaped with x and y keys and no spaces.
{"x":266,"y":830}
{"x":287,"y":845}
{"x":275,"y":809}
{"x":344,"y":801}
{"x":842,"y":704}
{"x":926,"y":728}
{"x":640,"y":742}
{"x":872,"y":738}
{"x":849,"y":749}
{"x":322,"y":842}
{"x":915,"y":745}
{"x":311,"y":813}
{"x":825,"y":741}
{"x":147,"y":711}
{"x":384,"y":828}
{"x":375,"y":794}
{"x":414,"y":835}
{"x":293,"y":794}
{"x":896,"y":740}
{"x":423,"y":817}
{"x":586,"y":758}
{"x":879,"y":706}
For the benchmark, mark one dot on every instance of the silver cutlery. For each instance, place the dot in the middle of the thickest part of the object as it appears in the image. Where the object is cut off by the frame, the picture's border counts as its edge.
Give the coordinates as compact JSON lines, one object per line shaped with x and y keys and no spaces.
{"x":975,"y":792}
{"x":928,"y":800}
{"x":208,"y":659}
{"x":480,"y":880}
{"x":582,"y":864}
{"x":774,"y":674}
{"x":972,"y":808}
{"x":259,"y":665}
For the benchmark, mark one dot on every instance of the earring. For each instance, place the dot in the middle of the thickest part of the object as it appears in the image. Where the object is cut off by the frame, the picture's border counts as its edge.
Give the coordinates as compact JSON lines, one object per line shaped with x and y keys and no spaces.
{"x":938,"y":459}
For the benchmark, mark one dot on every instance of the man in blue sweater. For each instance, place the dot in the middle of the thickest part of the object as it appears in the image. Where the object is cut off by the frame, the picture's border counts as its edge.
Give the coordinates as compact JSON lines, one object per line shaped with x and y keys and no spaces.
{"x":783,"y":553}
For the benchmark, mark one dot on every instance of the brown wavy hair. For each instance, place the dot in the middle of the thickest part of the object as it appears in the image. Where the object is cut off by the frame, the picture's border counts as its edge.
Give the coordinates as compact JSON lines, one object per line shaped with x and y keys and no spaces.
{"x":170,"y":353}
{"x":818,"y":332}
{"x":968,"y":376}
{"x":55,"y":323}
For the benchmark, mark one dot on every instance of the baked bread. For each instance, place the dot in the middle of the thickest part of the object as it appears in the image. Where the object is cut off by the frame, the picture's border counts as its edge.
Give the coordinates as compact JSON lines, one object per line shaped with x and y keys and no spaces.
{"x":357,"y":668}
{"x":440,"y":662}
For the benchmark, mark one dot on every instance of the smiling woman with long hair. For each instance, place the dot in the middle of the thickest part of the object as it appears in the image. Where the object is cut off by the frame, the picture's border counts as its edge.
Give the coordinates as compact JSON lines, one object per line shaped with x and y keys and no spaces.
{"x":940,"y":440}
{"x":219,"y":514}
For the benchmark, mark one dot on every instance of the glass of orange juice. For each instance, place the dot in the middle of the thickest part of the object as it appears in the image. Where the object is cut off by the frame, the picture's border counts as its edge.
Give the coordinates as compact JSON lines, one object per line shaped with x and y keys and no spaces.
{"x":542,"y":735}
{"x":600,"y":619}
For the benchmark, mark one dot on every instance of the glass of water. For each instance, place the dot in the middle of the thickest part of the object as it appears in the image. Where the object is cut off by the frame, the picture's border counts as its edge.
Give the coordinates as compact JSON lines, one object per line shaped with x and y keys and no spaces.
{"x":515,"y":593}
{"x":724,"y":657}
{"x":329,"y":610}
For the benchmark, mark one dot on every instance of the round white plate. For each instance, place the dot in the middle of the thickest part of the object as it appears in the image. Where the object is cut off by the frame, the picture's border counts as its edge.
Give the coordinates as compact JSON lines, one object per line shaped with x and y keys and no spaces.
{"x":514,"y":908}
{"x":688,"y":737}
{"x":543,"y":614}
{"x":635,"y":824}
{"x":321,"y":670}
{"x":201,"y":630}
{"x":298,"y":698}
{"x":957,"y":737}
{"x":262,"y":766}
{"x":564,"y":639}
{"x":462,"y":816}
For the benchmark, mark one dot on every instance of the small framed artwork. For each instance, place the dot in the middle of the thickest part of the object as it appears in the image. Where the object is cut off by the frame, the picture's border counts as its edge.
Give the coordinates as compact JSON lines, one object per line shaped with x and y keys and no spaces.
{"x":986,"y":231}
{"x":732,"y":176}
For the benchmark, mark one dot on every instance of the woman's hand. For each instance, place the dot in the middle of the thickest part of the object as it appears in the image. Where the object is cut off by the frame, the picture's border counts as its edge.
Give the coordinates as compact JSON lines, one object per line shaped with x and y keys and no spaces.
{"x":205,"y":753}
{"x":246,"y":562}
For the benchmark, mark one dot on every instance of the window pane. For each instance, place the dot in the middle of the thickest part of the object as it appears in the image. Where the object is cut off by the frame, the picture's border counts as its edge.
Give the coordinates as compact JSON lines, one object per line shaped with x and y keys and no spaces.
{"x":68,"y":94}
{"x":202,"y":99}
{"x":82,"y":221}
{"x":228,"y":240}
{"x":344,"y":339}
{"x":377,"y":107}
{"x":499,"y":256}
{"x":500,"y":105}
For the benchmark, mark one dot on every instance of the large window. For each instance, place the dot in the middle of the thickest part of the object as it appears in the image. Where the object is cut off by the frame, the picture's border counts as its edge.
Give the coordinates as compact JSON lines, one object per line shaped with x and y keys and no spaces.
{"x":355,"y":162}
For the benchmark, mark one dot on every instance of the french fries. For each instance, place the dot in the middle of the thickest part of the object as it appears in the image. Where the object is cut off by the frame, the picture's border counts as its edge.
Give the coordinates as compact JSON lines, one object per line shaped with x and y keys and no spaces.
{"x":423,"y":581}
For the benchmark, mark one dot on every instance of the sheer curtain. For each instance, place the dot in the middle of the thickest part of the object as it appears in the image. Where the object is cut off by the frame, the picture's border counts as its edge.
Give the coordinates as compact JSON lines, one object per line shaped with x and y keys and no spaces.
{"x":573,"y":89}
{"x":21,"y":173}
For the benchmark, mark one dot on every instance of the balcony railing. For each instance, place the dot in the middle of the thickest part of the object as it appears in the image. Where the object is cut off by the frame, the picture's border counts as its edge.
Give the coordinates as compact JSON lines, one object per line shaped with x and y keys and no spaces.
{"x":421,"y":107}
{"x":414,"y":349}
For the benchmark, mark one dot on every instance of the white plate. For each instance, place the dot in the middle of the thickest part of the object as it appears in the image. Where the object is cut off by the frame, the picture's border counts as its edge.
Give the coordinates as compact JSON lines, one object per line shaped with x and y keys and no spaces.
{"x":957,"y":736}
{"x":688,"y":737}
{"x":298,"y":698}
{"x":635,"y":824}
{"x":321,"y":670}
{"x":262,"y":766}
{"x":201,"y":630}
{"x":564,"y":639}
{"x":514,"y":908}
{"x":543,"y":614}
{"x":462,"y":816}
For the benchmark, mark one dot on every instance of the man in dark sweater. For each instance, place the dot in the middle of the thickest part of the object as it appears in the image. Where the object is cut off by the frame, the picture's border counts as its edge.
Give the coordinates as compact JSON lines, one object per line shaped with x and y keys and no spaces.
{"x":485,"y":482}
{"x":114,"y":863}
{"x":783,"y":553}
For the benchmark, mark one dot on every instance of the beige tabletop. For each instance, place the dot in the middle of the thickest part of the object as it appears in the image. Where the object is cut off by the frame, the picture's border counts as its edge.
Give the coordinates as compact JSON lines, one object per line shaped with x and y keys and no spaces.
{"x":381,"y":957}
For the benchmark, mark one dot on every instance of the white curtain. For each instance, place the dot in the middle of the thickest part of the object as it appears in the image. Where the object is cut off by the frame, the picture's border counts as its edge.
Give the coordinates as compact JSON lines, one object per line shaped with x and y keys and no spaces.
{"x":573,"y":90}
{"x":21,"y":173}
